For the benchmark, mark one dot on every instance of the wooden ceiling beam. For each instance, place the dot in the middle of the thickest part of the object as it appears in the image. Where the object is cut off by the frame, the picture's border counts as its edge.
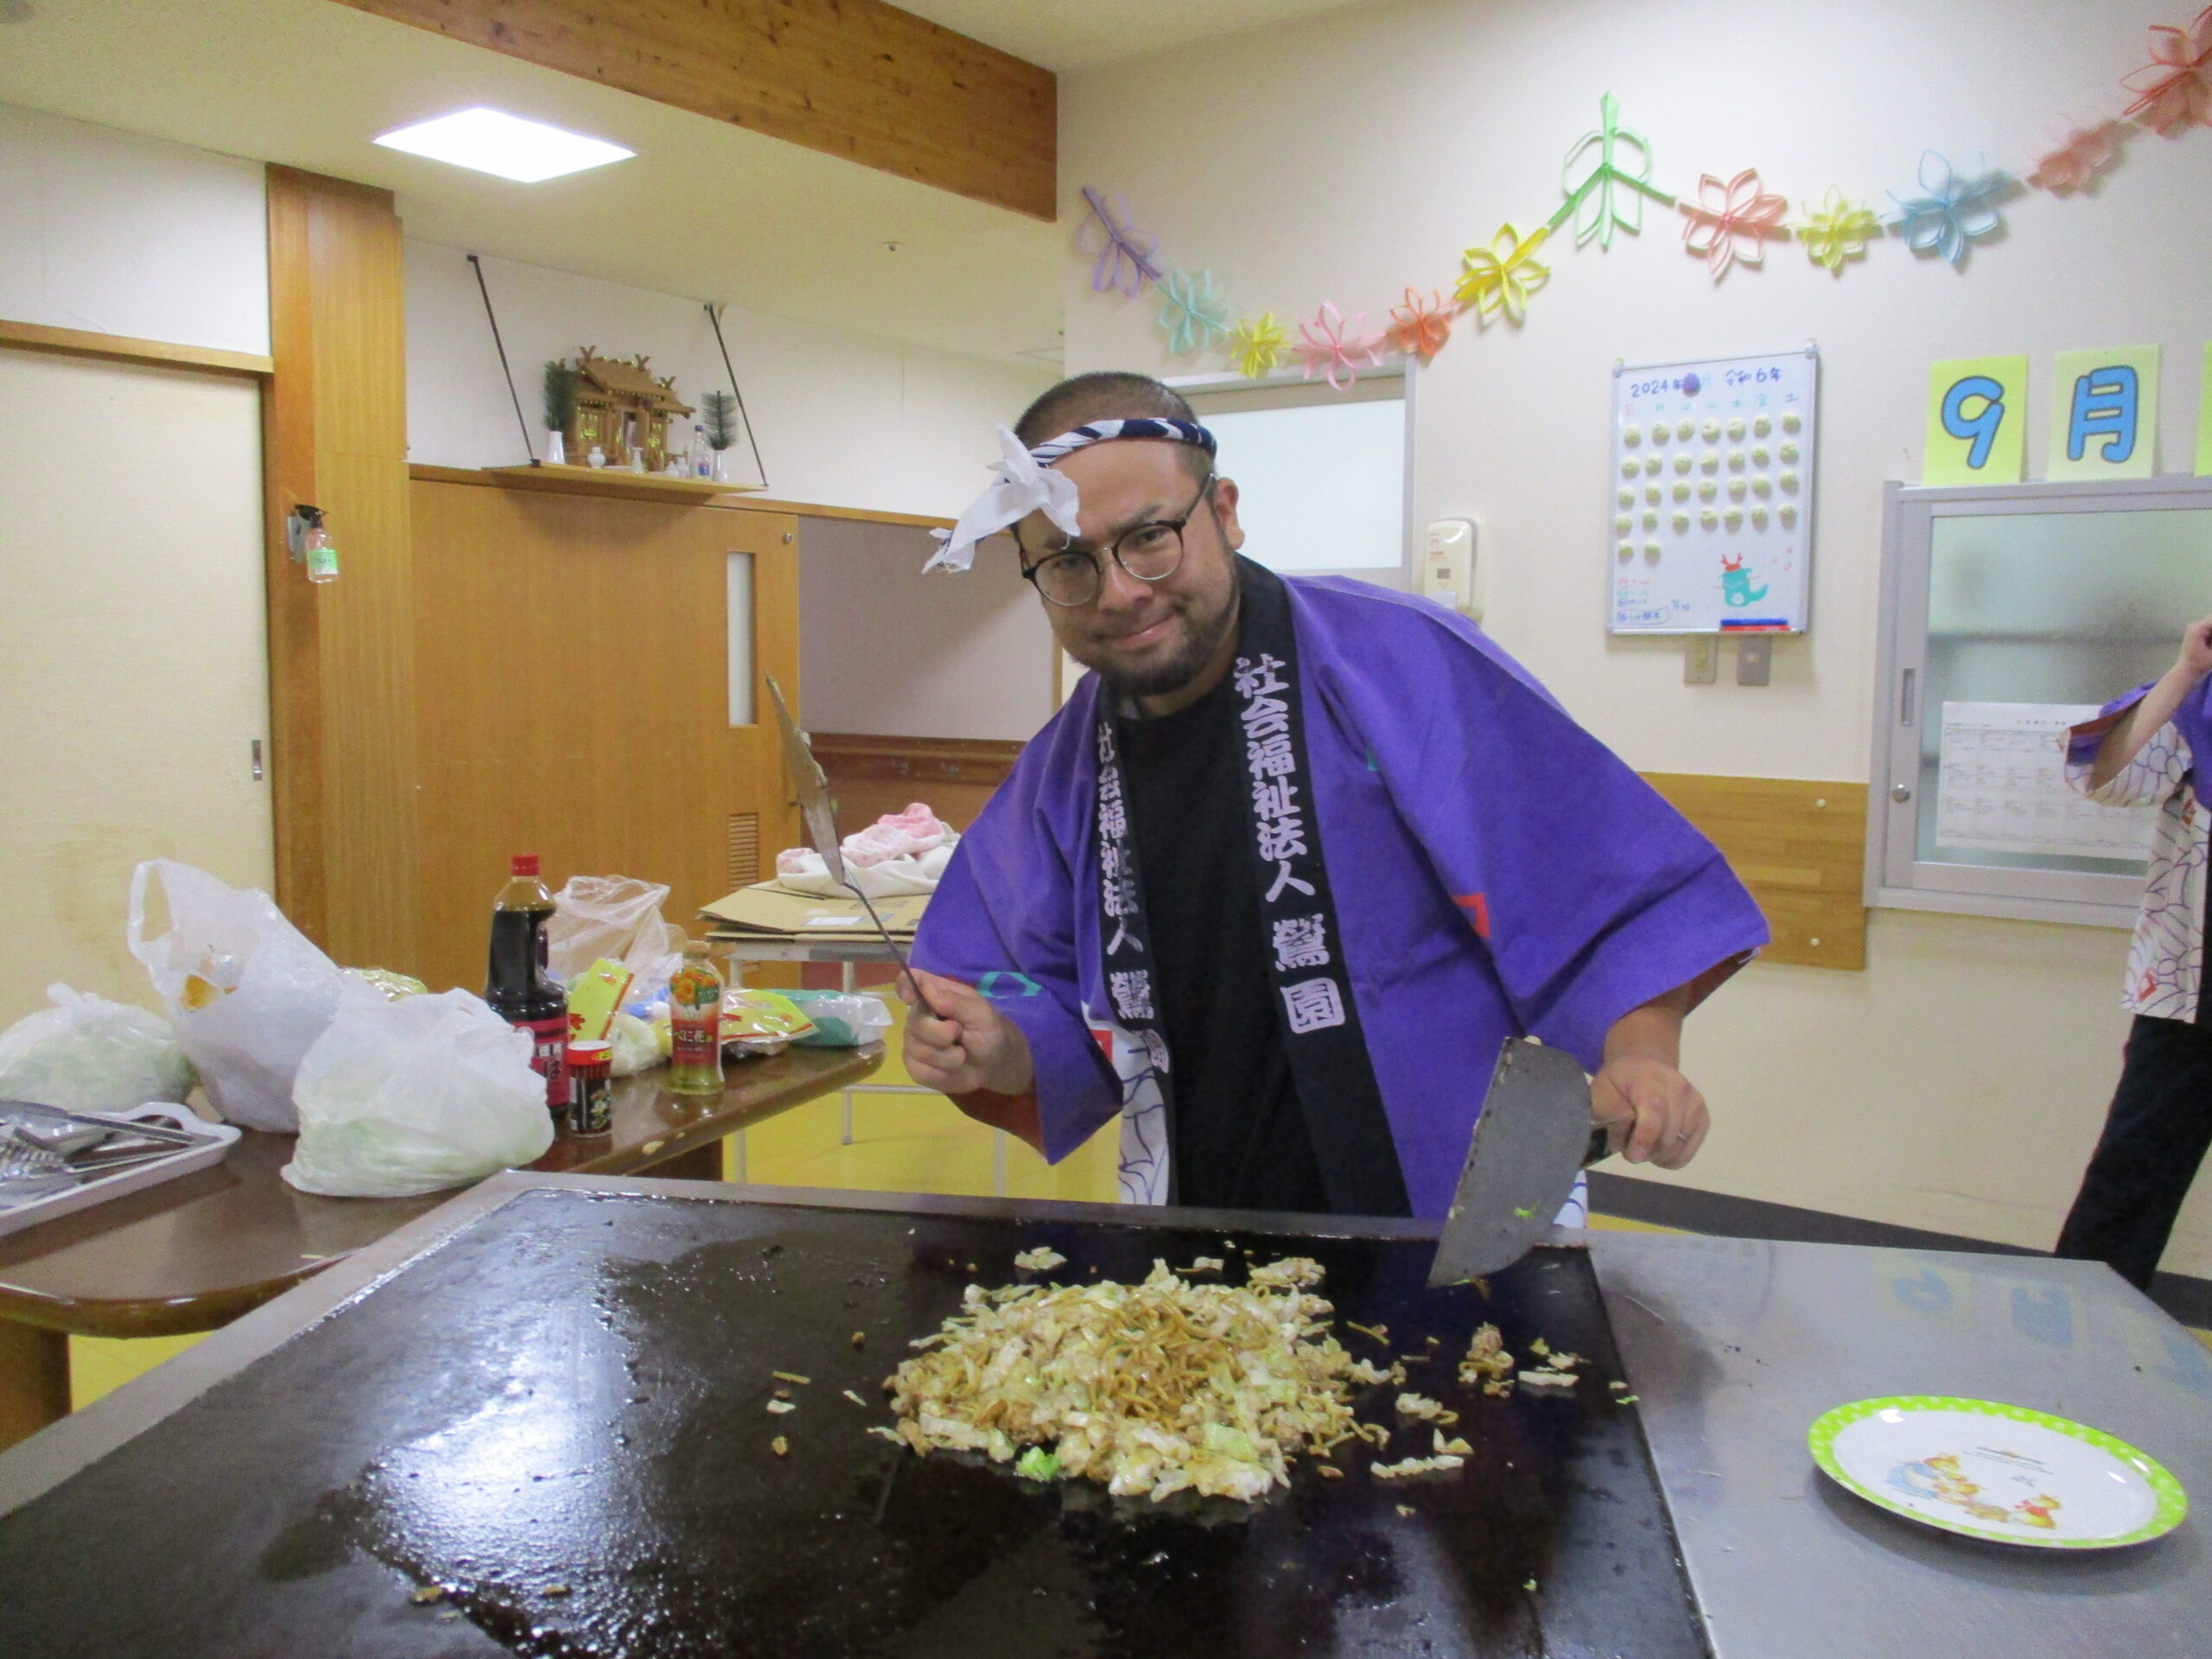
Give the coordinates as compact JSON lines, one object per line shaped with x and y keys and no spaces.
{"x":855,"y":78}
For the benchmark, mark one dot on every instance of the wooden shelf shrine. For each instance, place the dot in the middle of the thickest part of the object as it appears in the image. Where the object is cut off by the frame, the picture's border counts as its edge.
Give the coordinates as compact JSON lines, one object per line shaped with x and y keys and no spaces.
{"x":1799,"y":845}
{"x":612,"y":480}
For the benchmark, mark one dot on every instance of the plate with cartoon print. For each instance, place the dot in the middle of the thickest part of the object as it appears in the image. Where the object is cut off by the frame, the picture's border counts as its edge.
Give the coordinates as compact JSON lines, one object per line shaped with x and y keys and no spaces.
{"x":2005,"y":1473}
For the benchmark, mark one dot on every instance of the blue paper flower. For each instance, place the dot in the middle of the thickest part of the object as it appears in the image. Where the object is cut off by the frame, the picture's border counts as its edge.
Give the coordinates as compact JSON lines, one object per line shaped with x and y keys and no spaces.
{"x":1195,"y":315}
{"x":1954,"y":213}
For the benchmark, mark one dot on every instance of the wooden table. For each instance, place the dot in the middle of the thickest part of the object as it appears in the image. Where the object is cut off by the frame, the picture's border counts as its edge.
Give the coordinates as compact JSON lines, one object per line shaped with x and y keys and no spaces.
{"x":196,"y":1252}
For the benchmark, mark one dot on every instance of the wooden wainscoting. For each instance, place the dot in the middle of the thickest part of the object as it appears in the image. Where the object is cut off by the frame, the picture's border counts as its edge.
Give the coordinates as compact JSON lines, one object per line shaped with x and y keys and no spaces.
{"x":870,"y":776}
{"x":1800,"y":846}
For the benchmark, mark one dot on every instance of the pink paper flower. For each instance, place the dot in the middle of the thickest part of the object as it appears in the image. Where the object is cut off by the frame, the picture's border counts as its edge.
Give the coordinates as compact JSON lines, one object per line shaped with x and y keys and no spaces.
{"x":1328,"y":345}
{"x":1420,"y":327}
{"x":1729,"y":223}
{"x":2075,"y":165}
{"x":2173,"y":90}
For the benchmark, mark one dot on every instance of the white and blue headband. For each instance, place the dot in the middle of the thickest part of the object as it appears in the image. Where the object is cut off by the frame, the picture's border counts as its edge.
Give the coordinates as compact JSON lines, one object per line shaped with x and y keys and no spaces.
{"x":1027,"y":483}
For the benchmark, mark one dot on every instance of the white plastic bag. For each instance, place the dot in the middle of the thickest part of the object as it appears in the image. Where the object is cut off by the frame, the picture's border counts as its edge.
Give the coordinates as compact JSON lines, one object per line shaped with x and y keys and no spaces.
{"x":617,"y":917}
{"x":841,"y":1019}
{"x":635,"y":1049}
{"x":415,"y":1096}
{"x":87,"y":1054}
{"x":246,"y":991}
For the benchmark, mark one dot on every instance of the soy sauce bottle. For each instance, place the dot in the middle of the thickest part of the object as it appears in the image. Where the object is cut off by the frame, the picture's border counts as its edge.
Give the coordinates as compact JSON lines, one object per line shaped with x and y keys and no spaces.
{"x":516,"y":985}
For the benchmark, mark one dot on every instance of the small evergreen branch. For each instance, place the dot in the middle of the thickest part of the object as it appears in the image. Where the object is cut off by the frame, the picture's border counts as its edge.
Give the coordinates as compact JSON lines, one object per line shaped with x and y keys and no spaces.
{"x":560,"y":396}
{"x":718,"y":413}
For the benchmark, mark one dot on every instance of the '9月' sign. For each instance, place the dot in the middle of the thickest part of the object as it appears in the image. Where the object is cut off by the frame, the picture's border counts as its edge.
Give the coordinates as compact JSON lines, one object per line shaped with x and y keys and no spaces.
{"x":2104,"y":417}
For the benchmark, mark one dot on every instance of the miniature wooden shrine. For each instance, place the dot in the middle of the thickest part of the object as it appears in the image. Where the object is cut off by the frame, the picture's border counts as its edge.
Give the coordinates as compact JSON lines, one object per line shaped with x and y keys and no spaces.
{"x":620,"y":406}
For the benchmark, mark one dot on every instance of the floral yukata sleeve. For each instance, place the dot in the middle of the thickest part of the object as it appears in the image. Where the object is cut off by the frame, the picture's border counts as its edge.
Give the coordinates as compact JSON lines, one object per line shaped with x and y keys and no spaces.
{"x":2166,"y":959}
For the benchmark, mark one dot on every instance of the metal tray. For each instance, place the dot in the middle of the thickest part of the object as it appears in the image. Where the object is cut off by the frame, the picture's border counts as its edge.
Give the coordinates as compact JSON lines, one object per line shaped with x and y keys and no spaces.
{"x":214,"y":1140}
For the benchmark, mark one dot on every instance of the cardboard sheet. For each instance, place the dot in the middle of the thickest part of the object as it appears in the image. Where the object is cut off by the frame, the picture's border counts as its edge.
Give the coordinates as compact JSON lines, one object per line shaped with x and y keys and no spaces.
{"x":767,"y":909}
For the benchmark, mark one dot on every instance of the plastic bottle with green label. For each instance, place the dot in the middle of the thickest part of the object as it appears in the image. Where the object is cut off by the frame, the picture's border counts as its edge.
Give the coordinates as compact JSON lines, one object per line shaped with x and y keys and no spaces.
{"x":695,"y":1024}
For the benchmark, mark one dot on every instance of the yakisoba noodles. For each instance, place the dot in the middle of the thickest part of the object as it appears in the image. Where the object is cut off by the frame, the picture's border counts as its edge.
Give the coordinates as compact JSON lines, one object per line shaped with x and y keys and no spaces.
{"x":1150,"y":1387}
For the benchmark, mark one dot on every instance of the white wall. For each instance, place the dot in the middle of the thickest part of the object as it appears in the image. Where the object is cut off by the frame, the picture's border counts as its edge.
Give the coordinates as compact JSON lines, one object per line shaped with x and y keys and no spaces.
{"x":118,"y":234}
{"x":888,"y":651}
{"x":842,"y":419}
{"x":1959,"y":1083}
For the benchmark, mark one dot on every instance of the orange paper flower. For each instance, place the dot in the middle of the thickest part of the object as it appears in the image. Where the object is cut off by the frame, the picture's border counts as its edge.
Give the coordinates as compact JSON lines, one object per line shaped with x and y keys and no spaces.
{"x":1728,"y":223}
{"x":2174,"y":90}
{"x":1420,"y":327}
{"x":2075,"y":164}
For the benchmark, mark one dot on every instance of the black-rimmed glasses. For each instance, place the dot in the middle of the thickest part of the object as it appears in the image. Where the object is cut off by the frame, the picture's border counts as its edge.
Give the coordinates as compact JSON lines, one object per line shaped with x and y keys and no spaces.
{"x":1151,"y":551}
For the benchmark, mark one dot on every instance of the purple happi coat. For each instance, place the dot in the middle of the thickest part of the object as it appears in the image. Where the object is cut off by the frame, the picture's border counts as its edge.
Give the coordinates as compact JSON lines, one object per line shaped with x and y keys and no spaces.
{"x":1497,"y":871}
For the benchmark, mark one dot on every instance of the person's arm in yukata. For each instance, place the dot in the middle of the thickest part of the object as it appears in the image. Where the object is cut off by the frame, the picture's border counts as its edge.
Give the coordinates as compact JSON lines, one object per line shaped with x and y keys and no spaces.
{"x":1651,"y":1111}
{"x":2136,"y":728}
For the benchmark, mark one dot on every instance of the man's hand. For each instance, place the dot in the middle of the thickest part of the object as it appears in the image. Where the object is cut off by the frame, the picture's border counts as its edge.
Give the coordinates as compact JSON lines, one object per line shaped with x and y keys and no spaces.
{"x":2195,"y":659}
{"x":959,"y":1043}
{"x":2141,"y":724}
{"x":1653,"y":1113}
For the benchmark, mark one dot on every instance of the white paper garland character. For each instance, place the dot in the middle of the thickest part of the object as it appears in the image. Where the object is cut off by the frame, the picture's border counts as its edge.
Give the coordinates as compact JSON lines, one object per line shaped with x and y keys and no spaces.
{"x":1024,"y":488}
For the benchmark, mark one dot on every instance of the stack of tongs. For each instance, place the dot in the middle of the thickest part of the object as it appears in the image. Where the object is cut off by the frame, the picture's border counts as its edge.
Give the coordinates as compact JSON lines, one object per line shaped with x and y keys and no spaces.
{"x":45,"y":1150}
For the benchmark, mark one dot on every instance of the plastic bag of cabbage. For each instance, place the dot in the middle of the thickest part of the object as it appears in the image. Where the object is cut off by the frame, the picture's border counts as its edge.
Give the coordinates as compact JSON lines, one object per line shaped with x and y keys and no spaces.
{"x":87,"y":1054}
{"x":415,"y":1096}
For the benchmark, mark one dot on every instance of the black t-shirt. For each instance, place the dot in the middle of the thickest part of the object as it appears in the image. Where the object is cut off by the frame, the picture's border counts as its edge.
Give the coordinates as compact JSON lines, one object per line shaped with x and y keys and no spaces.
{"x":1239,"y":1136}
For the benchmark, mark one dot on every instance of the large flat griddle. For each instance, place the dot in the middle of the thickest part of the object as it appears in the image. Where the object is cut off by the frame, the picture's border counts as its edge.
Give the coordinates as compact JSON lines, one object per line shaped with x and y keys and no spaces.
{"x":571,"y":1391}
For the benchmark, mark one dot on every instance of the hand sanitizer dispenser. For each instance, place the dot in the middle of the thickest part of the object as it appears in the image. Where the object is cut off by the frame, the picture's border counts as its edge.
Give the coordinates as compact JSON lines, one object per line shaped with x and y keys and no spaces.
{"x":1449,"y":572}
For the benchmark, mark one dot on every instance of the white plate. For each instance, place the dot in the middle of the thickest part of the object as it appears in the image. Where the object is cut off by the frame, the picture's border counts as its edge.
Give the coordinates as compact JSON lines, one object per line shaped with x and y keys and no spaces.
{"x":1997,"y":1472}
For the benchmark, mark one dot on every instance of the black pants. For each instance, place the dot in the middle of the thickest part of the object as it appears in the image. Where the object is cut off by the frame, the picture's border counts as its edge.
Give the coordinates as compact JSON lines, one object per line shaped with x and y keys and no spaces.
{"x":2155,"y":1136}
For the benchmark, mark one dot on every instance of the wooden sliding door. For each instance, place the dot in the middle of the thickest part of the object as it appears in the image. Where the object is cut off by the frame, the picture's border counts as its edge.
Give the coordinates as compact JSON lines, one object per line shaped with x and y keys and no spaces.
{"x":576,"y":697}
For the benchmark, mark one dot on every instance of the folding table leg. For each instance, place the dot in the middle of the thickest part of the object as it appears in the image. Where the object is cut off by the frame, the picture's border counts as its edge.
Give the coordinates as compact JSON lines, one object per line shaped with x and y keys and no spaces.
{"x":34,"y":1380}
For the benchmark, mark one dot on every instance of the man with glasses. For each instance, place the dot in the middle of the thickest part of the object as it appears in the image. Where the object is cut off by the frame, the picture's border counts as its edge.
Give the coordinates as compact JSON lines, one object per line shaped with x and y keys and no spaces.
{"x":1292,"y":862}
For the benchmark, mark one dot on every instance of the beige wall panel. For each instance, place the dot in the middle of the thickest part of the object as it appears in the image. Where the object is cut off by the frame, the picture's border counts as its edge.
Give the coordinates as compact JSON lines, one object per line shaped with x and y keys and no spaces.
{"x":134,"y":677}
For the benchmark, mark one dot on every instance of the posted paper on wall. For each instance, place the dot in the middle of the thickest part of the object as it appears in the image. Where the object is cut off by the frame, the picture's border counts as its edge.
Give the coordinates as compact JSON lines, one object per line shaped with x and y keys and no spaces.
{"x":2003,"y":786}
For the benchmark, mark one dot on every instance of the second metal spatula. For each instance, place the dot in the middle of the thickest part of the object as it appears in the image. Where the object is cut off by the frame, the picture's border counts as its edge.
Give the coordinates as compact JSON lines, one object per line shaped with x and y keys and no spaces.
{"x":1532,"y":1138}
{"x":812,"y":786}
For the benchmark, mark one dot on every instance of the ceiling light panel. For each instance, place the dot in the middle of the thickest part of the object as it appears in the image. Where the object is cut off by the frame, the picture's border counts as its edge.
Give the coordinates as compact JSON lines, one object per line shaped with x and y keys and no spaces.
{"x":491,"y":141}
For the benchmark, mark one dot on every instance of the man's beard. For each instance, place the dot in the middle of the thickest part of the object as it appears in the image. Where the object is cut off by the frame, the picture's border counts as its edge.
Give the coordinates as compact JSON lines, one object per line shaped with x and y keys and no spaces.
{"x":1202,"y":639}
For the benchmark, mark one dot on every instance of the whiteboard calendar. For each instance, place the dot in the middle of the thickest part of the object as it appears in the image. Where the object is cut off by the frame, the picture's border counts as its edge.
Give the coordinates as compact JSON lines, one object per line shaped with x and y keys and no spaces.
{"x":1712,"y":494}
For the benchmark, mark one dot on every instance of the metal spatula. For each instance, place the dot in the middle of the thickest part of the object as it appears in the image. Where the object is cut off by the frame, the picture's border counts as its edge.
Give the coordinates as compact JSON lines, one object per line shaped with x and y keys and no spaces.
{"x":812,"y":786}
{"x":1532,"y":1138}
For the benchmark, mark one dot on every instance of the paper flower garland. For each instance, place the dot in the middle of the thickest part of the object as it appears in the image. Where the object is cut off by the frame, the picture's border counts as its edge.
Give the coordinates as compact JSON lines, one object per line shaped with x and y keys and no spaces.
{"x":1954,"y":213}
{"x":1595,"y":190}
{"x":1499,"y":279}
{"x":1420,"y":327}
{"x":1728,"y":223}
{"x":1605,"y":178}
{"x":1330,"y":347}
{"x":1837,"y":230}
{"x":2077,"y":163}
{"x":1125,"y":254}
{"x":1258,"y":344}
{"x":2177,"y":93}
{"x":1195,"y":315}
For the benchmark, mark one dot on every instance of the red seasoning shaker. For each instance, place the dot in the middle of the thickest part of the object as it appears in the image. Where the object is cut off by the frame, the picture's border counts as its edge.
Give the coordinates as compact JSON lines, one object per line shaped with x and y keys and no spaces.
{"x":591,"y":1088}
{"x":518,"y":986}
